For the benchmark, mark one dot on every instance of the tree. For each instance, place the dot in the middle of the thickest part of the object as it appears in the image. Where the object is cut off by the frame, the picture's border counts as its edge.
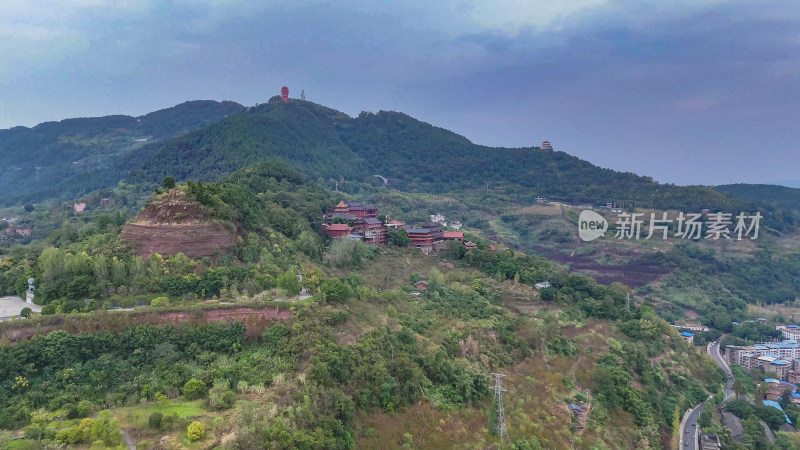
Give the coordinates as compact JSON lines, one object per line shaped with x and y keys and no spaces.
{"x":739,"y":408}
{"x":26,"y":312}
{"x":168,"y":182}
{"x":753,"y":433}
{"x":38,"y":426}
{"x":454,"y":250}
{"x":220,"y":395}
{"x":106,"y":429}
{"x":195,"y":431}
{"x":771,"y":416}
{"x":705,"y":416}
{"x":161,"y":399}
{"x":289,"y":283}
{"x":548,"y":294}
{"x":194,"y":388}
{"x":335,"y":290}
{"x":309,"y":243}
{"x":738,"y":388}
{"x":85,"y":408}
{"x":398,"y":237}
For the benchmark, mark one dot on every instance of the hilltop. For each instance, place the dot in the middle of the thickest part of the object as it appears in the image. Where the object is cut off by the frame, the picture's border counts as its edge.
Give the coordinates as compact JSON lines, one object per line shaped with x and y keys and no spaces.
{"x":332,"y":148}
{"x":335,"y":150}
{"x":74,"y":156}
{"x":172,"y":223}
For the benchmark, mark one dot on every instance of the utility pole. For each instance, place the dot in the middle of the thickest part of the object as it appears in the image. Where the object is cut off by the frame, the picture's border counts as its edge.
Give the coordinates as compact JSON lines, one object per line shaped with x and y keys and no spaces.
{"x":500,"y":418}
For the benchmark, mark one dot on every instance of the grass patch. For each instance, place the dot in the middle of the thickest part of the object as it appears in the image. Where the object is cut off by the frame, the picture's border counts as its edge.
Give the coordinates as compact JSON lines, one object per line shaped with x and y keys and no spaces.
{"x":22,"y":444}
{"x":135,"y":417}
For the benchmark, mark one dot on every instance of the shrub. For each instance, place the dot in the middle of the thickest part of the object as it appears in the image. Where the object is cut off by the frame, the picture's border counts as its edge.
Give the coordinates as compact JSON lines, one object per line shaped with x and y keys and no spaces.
{"x":85,"y":408}
{"x":195,"y":431}
{"x":169,"y":422}
{"x":220,"y":396}
{"x":155,"y":420}
{"x":335,"y":291}
{"x":161,"y":399}
{"x":159,"y":302}
{"x":194,"y":388}
{"x":26,"y":312}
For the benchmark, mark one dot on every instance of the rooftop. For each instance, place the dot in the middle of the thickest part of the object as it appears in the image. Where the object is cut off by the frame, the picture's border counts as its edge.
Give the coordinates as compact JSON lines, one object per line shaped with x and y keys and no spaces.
{"x":418,"y":230}
{"x":686,"y":334}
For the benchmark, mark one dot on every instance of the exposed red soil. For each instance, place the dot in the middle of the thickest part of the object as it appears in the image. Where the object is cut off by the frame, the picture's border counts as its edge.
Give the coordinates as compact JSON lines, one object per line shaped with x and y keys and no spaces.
{"x":171,"y":224}
{"x":196,"y":240}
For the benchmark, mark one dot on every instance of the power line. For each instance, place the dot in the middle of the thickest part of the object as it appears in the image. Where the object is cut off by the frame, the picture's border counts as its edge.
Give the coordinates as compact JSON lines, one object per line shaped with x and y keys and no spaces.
{"x":500,"y":419}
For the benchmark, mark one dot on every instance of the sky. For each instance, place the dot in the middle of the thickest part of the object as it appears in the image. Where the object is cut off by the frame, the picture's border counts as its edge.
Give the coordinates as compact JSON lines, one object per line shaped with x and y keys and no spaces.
{"x":685,"y":91}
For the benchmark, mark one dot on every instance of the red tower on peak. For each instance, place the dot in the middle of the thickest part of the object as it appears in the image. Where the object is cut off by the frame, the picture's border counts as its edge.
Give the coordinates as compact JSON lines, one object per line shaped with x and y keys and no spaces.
{"x":285,"y":94}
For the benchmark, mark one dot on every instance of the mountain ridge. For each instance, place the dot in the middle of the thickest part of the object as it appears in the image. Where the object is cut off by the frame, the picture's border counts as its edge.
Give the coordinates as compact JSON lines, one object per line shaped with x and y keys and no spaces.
{"x":67,"y":158}
{"x":342,"y":152}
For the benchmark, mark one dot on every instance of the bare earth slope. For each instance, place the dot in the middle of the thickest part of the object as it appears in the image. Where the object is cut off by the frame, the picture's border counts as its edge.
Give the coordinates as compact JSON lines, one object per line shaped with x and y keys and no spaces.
{"x":171,"y":224}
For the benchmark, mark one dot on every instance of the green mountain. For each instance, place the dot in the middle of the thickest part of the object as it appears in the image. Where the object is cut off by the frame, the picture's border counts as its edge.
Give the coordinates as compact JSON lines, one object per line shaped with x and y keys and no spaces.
{"x":334,"y":149}
{"x":331,"y":148}
{"x":224,"y":341}
{"x":778,"y":196}
{"x":75,"y":156}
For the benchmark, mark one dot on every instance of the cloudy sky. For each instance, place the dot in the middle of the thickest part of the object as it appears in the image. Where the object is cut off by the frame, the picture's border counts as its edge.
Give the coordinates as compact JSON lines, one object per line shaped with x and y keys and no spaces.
{"x":686,"y":91}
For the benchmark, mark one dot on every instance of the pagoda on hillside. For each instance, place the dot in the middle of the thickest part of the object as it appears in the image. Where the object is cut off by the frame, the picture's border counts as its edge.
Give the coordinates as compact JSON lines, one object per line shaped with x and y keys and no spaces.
{"x":341,"y":207}
{"x":546,"y":146}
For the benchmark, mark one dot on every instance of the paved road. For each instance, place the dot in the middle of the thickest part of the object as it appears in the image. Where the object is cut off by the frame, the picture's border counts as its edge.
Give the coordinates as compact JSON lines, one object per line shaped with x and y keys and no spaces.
{"x":713,"y":350}
{"x":12,"y":305}
{"x":689,"y":433}
{"x":689,"y":429}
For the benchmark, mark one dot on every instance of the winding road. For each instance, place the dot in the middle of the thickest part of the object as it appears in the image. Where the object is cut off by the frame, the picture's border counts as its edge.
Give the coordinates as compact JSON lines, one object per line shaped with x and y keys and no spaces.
{"x":689,"y":429}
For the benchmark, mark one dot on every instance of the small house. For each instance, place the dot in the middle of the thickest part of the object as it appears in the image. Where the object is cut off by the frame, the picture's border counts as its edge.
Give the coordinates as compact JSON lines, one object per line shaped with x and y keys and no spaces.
{"x":577,"y":410}
{"x":79,"y":207}
{"x":688,"y":336}
{"x":542,"y":285}
{"x":421,"y":285}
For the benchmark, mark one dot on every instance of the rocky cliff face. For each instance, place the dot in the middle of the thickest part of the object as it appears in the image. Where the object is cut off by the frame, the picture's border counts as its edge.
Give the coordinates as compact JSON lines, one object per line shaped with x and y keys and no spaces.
{"x":172,"y":224}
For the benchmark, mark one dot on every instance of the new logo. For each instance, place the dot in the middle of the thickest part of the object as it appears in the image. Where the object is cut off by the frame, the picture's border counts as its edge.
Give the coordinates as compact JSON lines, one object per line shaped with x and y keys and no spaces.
{"x":591,"y":225}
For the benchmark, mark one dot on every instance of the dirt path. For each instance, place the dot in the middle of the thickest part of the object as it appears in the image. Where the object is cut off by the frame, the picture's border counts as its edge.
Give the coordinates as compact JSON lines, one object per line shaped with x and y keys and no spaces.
{"x":128,"y":440}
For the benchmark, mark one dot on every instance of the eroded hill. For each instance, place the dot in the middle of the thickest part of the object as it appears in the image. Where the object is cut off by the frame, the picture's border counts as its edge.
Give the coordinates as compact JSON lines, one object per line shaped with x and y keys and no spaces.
{"x":173,"y":223}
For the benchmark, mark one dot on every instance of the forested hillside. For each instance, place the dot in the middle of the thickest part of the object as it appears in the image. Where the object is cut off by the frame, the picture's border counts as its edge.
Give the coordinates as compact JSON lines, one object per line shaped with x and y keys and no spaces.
{"x":331,"y":148}
{"x":69,"y":158}
{"x":366,"y":361}
{"x":779,"y":196}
